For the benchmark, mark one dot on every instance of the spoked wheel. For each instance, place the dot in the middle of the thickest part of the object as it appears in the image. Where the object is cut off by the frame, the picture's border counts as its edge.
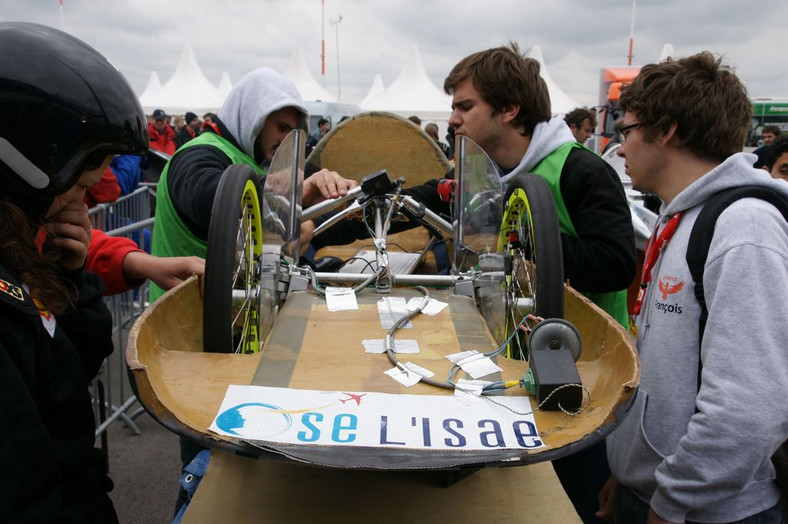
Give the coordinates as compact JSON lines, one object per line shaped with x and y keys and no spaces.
{"x":530,"y":233}
{"x":231,"y":312}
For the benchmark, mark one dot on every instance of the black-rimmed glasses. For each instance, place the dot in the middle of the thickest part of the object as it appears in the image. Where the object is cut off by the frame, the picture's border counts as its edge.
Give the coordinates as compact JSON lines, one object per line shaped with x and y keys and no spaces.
{"x":623,"y":132}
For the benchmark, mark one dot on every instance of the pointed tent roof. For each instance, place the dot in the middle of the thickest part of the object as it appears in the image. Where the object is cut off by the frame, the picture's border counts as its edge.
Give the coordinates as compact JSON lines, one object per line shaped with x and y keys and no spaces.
{"x":375,"y":90}
{"x":186,"y":90}
{"x":154,"y":84}
{"x":560,"y":102}
{"x":307,"y":86}
{"x":412,"y":91}
{"x":225,"y":85}
{"x":667,"y":52}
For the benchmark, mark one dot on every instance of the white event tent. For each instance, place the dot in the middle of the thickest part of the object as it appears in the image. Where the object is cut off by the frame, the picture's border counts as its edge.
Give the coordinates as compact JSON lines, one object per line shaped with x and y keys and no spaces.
{"x":307,"y":86}
{"x":374,"y":90}
{"x":413,"y":93}
{"x":154,"y":84}
{"x":560,"y":102}
{"x":667,"y":52}
{"x":186,"y":90}
{"x":225,"y":85}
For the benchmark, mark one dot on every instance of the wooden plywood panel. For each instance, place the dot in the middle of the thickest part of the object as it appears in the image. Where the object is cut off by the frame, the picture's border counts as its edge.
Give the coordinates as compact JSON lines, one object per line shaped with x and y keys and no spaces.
{"x":240,"y":490}
{"x":369,"y":142}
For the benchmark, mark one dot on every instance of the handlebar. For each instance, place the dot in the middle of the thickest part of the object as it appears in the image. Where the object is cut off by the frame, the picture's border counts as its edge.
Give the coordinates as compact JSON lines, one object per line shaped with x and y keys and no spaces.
{"x":377,"y":185}
{"x":330,"y":205}
{"x":430,"y":217}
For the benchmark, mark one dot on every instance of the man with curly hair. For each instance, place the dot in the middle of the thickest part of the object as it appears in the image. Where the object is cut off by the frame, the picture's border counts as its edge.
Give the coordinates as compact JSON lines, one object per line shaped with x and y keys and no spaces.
{"x":710,"y":412}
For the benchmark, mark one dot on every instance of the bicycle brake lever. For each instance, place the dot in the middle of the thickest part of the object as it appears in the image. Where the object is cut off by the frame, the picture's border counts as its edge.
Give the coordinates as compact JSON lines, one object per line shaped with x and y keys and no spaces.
{"x":355,"y":206}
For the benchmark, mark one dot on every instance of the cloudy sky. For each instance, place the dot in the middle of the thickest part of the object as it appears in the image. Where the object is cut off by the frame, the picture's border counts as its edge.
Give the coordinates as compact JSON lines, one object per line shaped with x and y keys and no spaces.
{"x":577,"y":37}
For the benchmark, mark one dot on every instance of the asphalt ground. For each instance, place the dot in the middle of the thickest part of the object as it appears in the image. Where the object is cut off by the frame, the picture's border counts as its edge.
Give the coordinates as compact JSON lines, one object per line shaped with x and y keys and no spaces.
{"x":145,"y":469}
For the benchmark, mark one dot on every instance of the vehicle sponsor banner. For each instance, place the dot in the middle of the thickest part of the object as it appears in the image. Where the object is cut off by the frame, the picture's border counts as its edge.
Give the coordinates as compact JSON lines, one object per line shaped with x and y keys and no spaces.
{"x":337,"y":418}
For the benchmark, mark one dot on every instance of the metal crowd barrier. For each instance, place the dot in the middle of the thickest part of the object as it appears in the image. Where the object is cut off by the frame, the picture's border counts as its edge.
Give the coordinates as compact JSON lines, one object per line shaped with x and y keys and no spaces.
{"x":131,"y":217}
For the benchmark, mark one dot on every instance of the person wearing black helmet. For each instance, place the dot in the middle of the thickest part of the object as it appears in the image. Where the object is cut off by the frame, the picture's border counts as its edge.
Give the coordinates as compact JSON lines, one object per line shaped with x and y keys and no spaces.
{"x":66,"y":111}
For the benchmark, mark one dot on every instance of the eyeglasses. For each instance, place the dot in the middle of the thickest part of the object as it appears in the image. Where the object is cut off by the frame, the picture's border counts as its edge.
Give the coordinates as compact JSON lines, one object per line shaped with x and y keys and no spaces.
{"x":623,"y":132}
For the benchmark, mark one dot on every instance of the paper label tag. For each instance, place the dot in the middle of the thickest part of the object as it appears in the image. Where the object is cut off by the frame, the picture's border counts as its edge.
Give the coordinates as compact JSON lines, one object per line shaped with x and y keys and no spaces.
{"x":432,"y":308}
{"x":391,"y":309}
{"x":474,"y":363}
{"x":341,"y":299}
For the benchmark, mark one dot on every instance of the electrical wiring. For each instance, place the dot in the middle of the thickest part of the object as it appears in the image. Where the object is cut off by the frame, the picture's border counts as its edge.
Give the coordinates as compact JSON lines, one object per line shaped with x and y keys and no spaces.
{"x":389,"y":340}
{"x":389,"y":344}
{"x":404,"y":250}
{"x":367,"y":263}
{"x":377,"y":214}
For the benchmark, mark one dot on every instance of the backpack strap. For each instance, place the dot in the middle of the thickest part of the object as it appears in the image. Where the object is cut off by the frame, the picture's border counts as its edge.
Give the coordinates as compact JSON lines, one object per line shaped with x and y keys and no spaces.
{"x":703,"y":231}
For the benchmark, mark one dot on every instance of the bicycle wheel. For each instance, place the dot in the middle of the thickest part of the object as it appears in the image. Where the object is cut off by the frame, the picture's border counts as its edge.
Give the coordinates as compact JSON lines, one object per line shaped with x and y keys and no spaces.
{"x":530,"y":233}
{"x":231,"y":312}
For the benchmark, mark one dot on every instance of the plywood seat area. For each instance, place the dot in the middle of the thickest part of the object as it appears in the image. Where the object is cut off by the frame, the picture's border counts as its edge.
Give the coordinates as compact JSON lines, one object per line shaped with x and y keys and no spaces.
{"x":313,"y":348}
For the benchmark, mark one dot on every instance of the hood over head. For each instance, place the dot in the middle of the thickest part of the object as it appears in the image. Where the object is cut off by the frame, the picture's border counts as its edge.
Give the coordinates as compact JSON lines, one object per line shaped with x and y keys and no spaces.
{"x":252,"y":99}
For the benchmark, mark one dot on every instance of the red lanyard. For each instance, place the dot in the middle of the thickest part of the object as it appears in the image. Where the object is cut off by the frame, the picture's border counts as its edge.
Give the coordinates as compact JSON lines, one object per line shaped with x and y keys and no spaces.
{"x":654,"y":250}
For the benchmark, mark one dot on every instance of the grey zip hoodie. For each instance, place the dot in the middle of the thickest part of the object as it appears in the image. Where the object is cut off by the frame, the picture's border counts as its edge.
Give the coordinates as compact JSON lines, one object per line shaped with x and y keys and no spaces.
{"x":257,"y":95}
{"x":546,"y":138}
{"x":712,"y":465}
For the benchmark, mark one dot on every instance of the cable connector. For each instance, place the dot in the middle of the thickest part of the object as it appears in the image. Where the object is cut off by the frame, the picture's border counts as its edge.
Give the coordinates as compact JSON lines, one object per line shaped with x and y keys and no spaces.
{"x":529,"y":383}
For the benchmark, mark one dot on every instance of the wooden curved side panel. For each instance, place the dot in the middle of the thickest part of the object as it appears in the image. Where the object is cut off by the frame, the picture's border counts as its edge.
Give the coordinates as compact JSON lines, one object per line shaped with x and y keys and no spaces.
{"x":183,"y":387}
{"x":369,"y":142}
{"x":174,"y":379}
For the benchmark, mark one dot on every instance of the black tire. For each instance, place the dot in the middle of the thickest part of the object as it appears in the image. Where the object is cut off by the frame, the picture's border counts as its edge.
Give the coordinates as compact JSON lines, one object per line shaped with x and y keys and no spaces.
{"x":232,"y":264}
{"x":537,"y":278}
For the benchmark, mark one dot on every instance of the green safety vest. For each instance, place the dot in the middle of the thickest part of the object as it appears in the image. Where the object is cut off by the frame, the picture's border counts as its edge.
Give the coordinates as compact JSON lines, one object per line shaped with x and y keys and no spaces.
{"x":550,"y":168}
{"x":171,"y":236}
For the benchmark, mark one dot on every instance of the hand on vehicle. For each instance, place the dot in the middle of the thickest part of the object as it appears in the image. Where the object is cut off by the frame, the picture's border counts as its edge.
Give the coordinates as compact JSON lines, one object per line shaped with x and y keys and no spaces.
{"x":165,"y":272}
{"x":325,"y":184}
{"x":307,"y":233}
{"x":68,"y":234}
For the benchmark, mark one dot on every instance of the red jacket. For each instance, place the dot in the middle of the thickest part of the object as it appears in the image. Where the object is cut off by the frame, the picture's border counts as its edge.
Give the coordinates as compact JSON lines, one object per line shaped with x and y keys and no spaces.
{"x":106,"y":190}
{"x":105,"y":257}
{"x":163,"y":141}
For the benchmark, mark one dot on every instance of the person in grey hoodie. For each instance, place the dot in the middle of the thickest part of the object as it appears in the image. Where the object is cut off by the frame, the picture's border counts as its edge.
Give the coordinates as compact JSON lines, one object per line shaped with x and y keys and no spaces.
{"x":257,"y":115}
{"x":698,"y":447}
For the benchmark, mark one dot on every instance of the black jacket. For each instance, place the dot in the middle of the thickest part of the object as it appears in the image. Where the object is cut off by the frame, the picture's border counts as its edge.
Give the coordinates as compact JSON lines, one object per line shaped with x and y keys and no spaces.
{"x":183,"y":135}
{"x":602,"y":256}
{"x":48,"y":469}
{"x":192,"y":179}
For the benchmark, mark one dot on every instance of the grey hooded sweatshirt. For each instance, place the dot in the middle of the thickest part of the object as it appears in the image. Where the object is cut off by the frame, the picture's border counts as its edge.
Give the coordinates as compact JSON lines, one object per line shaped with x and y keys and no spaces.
{"x":703,"y":454}
{"x":257,"y":95}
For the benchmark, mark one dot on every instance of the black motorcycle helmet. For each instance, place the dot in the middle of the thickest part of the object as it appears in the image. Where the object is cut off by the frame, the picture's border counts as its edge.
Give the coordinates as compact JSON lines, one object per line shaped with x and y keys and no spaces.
{"x":63,"y":108}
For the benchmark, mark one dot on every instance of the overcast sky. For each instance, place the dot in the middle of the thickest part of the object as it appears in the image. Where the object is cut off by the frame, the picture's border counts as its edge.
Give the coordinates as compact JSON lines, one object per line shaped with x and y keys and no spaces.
{"x":577,"y":37}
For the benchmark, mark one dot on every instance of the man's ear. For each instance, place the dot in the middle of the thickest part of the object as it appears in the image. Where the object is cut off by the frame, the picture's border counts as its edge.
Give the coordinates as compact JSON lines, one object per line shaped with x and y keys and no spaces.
{"x":509,"y":113}
{"x":671,"y":135}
